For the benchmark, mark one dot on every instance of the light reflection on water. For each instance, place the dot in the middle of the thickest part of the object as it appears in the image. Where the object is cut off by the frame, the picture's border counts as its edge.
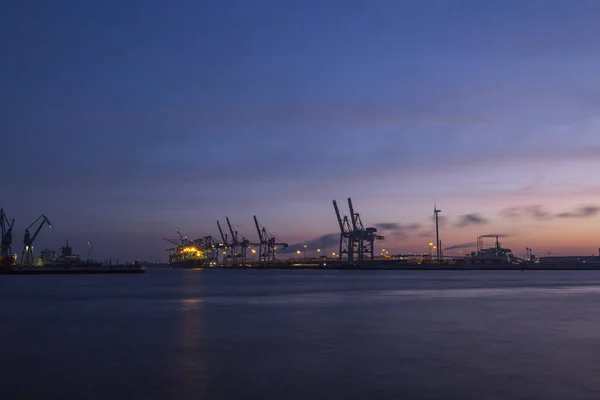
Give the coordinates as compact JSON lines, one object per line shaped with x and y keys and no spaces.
{"x":272,"y":335}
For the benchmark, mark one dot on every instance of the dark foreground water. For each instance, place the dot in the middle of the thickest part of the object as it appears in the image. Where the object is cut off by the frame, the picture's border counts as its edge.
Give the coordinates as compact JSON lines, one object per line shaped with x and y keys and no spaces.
{"x":301,"y":334}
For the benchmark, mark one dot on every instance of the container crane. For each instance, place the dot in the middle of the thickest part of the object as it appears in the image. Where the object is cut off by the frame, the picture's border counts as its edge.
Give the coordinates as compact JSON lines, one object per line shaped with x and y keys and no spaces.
{"x":6,"y":254}
{"x":345,"y":234}
{"x":355,"y":239}
{"x":268,"y":243}
{"x":27,"y":255}
{"x":211,"y":247}
{"x":239,"y":245}
{"x":226,"y":244}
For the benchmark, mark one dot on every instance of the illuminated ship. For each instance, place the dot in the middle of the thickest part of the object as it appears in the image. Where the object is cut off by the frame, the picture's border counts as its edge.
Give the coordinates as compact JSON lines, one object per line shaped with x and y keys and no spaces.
{"x":187,"y":256}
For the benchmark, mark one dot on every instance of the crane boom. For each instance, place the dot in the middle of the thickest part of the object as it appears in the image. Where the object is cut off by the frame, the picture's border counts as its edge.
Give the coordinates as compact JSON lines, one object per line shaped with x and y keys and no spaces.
{"x":260,"y":238}
{"x":339,"y":216}
{"x":352,"y":215}
{"x":233,"y":235}
{"x":27,"y":255}
{"x":44,"y":220}
{"x":223,"y":237}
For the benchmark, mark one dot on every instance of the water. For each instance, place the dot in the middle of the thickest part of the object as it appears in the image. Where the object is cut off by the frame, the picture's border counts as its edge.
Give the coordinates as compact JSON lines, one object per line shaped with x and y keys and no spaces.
{"x":217,"y":334}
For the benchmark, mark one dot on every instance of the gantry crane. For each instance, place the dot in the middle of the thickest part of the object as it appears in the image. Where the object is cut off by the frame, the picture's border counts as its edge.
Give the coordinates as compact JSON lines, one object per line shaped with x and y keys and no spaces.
{"x":355,"y":239}
{"x":226,"y":244}
{"x":345,"y":234}
{"x":268,"y":243}
{"x":239,"y":244}
{"x":27,"y":255}
{"x":211,"y":247}
{"x":6,"y":247}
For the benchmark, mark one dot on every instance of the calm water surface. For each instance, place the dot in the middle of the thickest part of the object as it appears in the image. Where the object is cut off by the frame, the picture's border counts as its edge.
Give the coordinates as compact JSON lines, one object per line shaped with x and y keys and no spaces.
{"x":217,"y":334}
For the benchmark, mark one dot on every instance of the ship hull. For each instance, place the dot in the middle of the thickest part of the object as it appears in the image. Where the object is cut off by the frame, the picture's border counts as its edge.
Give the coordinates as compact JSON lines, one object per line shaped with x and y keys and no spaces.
{"x":188,"y":264}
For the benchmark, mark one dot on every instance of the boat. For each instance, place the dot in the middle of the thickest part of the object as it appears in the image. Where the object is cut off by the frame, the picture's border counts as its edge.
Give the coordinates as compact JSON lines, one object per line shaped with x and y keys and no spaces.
{"x":66,"y":258}
{"x":494,"y":254}
{"x":69,"y":263}
{"x":188,"y":256}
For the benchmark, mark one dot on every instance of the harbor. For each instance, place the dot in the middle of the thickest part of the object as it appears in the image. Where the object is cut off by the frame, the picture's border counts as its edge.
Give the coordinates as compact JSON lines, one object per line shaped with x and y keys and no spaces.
{"x":356,"y":251}
{"x":48,"y":263}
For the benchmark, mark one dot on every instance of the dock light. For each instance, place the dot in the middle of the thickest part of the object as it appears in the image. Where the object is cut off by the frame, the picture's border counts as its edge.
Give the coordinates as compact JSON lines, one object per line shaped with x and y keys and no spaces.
{"x":297,"y":251}
{"x":333,"y":254}
{"x":318,"y":250}
{"x":253,"y":251}
{"x":304,"y":246}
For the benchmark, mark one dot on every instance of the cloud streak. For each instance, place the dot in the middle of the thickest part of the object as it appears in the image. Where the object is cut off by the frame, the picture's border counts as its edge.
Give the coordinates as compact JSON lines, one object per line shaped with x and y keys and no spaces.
{"x":398,"y":230}
{"x":471,"y":219}
{"x":539,"y":213}
{"x":461,"y":246}
{"x":580,"y":212}
{"x":321,"y":242}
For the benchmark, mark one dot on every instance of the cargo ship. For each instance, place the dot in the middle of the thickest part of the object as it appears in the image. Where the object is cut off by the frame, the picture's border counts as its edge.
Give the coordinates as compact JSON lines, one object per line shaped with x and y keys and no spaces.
{"x":188,"y":256}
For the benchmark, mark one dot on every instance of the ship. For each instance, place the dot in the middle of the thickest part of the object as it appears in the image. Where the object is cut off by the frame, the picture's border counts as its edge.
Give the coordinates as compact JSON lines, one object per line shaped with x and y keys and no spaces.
{"x":188,"y":256}
{"x":69,"y":263}
{"x":67,"y":257}
{"x":494,"y":254}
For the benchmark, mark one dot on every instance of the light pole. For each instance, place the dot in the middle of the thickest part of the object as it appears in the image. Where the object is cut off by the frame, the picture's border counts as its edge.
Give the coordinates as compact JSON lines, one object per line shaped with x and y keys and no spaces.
{"x":437,"y":231}
{"x":89,"y":251}
{"x":304,"y":253}
{"x":298,"y":253}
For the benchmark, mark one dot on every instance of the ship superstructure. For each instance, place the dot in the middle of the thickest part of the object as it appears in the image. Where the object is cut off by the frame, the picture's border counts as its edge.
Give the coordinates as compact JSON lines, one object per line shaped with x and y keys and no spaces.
{"x":496,"y":253}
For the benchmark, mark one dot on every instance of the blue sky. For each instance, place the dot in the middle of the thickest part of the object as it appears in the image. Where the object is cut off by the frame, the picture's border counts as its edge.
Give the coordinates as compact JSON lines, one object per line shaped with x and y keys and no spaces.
{"x":124,"y":119}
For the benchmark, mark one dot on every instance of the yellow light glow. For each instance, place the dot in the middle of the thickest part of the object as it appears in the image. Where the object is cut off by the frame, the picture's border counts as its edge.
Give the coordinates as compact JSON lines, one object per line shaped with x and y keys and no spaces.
{"x":189,"y":249}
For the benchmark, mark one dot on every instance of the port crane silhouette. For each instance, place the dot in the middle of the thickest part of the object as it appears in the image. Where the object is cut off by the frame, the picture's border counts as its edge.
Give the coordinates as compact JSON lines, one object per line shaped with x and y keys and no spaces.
{"x":6,"y":226}
{"x":355,"y":239}
{"x":268,"y":243}
{"x":27,"y":255}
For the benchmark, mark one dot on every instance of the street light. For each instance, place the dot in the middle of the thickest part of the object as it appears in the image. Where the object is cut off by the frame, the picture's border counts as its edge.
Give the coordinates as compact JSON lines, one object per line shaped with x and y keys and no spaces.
{"x":304,"y":253}
{"x":298,"y":253}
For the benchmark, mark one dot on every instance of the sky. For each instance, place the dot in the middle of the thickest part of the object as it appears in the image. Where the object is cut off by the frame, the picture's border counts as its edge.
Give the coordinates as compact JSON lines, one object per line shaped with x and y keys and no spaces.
{"x":122,"y":120}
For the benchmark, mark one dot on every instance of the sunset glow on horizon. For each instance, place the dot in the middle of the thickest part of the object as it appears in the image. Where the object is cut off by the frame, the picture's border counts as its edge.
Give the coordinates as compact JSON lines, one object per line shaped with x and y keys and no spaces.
{"x":124,"y":122}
